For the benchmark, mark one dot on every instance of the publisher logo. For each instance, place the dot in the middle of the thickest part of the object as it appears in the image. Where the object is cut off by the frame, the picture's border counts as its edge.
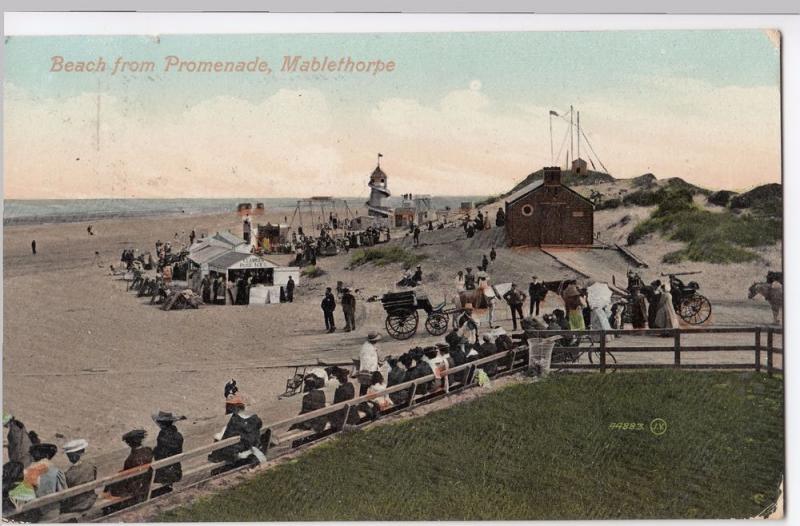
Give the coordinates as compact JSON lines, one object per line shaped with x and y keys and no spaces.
{"x":658,"y":426}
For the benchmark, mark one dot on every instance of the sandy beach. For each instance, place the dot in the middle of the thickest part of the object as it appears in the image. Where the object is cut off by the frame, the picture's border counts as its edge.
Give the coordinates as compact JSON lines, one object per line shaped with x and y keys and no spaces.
{"x":85,"y":358}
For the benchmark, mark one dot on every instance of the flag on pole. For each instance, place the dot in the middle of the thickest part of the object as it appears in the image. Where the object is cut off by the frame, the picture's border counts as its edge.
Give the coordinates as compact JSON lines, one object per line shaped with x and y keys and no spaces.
{"x":553,"y":113}
{"x":380,"y":155}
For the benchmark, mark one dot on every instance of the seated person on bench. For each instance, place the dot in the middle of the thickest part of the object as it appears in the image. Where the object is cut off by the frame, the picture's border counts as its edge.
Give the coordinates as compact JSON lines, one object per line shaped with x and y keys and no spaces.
{"x":372,"y":409}
{"x":346,"y":391}
{"x":136,"y":487}
{"x":245,"y":426}
{"x":313,"y":400}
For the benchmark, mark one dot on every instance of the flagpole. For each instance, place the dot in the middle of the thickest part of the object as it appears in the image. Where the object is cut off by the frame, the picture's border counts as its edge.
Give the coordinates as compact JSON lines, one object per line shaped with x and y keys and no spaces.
{"x":571,"y":135}
{"x":552,"y":155}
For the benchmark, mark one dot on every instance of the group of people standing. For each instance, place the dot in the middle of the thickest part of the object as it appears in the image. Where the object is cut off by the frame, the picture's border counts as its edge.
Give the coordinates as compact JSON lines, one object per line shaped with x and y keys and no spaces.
{"x":348,"y":303}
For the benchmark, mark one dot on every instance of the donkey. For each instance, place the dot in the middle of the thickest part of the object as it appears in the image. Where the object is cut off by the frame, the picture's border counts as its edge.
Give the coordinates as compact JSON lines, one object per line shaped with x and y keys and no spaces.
{"x":774,"y":295}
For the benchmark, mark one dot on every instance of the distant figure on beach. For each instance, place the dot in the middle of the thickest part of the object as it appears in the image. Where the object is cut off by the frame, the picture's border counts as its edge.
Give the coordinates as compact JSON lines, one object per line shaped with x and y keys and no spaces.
{"x":416,"y":236}
{"x":33,"y":247}
{"x":290,"y":290}
{"x":500,"y":219}
{"x":328,"y":305}
{"x":192,"y":236}
{"x":493,"y":254}
{"x":469,"y":279}
{"x":484,"y":263}
{"x":349,"y":309}
{"x":89,"y":230}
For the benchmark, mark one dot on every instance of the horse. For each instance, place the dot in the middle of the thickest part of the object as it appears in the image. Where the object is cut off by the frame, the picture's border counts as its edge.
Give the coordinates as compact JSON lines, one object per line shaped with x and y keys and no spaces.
{"x":774,"y":295}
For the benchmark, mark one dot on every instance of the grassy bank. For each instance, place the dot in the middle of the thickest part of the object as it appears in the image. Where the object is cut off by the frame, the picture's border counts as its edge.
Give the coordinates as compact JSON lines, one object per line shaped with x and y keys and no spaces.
{"x":385,"y":255}
{"x":546,"y":450}
{"x":715,"y":237}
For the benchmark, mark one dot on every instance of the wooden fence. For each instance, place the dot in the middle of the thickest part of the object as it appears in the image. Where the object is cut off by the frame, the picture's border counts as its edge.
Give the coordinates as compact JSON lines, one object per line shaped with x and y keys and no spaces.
{"x":278,"y":439}
{"x":601,"y":348}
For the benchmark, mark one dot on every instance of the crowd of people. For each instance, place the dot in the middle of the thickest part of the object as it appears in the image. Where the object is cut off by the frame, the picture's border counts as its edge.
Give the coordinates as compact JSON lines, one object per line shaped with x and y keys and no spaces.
{"x":374,"y":375}
{"x":30,"y":472}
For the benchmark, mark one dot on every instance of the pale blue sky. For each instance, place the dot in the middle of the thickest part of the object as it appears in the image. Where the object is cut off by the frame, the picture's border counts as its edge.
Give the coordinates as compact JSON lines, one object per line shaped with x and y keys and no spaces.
{"x":624,"y":81}
{"x":511,"y":66}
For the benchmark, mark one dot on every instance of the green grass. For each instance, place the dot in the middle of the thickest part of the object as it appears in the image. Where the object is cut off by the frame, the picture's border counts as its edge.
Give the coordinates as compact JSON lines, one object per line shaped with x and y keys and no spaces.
{"x":715,"y":237}
{"x":381,"y":256}
{"x":541,"y":451}
{"x":312,"y":271}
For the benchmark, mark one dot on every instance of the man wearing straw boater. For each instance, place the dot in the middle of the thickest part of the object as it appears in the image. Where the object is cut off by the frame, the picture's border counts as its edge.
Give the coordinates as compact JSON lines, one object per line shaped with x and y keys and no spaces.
{"x":80,"y":472}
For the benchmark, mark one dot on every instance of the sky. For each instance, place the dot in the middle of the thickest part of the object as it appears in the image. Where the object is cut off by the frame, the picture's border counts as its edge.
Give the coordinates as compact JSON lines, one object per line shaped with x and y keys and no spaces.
{"x":460,"y":114}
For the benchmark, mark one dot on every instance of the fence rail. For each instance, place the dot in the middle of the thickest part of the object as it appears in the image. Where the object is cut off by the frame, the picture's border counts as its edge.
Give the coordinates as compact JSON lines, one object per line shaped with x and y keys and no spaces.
{"x":454,"y":379}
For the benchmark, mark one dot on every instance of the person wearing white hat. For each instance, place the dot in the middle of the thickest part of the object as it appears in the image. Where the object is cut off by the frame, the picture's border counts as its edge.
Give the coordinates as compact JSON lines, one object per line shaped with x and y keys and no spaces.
{"x":368,"y":361}
{"x":79,"y":473}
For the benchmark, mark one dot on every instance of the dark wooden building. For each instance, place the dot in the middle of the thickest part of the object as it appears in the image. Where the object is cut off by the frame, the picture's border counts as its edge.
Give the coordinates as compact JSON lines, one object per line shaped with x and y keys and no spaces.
{"x":546,"y":212}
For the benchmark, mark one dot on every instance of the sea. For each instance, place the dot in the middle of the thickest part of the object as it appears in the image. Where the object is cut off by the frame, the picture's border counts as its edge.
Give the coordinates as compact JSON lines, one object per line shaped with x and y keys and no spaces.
{"x":34,"y":211}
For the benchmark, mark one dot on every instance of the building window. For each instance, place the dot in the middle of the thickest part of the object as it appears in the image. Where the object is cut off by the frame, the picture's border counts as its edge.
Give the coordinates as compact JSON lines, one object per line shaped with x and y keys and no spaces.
{"x":527,"y":210}
{"x":577,"y":213}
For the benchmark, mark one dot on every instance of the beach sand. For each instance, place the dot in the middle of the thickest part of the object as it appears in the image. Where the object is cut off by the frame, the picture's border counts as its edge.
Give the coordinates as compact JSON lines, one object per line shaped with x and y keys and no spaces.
{"x":84,"y":358}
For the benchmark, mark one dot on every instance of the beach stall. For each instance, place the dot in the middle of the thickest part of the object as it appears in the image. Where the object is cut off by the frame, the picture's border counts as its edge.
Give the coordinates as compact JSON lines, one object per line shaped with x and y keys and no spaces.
{"x":266,"y":277}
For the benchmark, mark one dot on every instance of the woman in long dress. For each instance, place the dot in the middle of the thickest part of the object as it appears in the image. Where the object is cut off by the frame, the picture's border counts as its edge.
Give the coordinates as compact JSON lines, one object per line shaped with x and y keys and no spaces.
{"x":666,"y":318}
{"x":574,"y":307}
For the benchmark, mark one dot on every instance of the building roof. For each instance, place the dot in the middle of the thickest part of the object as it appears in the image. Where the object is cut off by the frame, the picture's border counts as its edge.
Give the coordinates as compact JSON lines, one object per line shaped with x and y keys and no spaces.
{"x":227,"y":237}
{"x":207,"y":253}
{"x":525,"y":190}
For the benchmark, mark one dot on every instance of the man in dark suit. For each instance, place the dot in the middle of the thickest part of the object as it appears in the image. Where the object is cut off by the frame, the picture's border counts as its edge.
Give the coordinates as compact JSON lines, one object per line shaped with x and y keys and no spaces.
{"x":328,"y":306}
{"x":537,"y":291}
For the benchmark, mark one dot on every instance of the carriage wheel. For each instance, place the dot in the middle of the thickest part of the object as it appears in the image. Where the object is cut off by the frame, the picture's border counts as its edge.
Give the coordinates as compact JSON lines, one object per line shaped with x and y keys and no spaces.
{"x":695,"y":310}
{"x":402,"y":325}
{"x":436,"y":324}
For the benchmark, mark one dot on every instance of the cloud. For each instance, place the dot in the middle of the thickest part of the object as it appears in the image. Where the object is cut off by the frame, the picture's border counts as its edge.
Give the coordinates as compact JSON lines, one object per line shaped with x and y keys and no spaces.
{"x":295,"y":142}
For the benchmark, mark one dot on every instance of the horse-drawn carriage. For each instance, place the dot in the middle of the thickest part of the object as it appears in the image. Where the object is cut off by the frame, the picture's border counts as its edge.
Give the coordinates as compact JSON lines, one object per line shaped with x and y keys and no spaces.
{"x":402,"y":317}
{"x":691,"y":306}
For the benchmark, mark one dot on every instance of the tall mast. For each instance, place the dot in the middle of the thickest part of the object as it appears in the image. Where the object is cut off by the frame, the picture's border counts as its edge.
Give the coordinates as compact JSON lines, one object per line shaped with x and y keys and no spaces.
{"x":579,"y":134}
{"x":571,"y":135}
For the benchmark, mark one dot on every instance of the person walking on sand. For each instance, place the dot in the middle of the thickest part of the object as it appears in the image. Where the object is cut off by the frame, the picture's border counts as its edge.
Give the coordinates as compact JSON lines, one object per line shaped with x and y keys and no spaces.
{"x":416,"y":236}
{"x":493,"y":254}
{"x":515,"y":299}
{"x":349,"y":309}
{"x":33,"y":247}
{"x":290,"y":290}
{"x":328,"y":305}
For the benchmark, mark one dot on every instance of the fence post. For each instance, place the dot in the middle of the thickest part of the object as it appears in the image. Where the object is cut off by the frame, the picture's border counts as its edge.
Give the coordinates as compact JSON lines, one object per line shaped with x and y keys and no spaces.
{"x":677,"y":347}
{"x":470,"y":373}
{"x":513,"y":357}
{"x":411,"y":395}
{"x":150,"y":486}
{"x":769,"y":351}
{"x":758,"y":349}
{"x":603,"y":352}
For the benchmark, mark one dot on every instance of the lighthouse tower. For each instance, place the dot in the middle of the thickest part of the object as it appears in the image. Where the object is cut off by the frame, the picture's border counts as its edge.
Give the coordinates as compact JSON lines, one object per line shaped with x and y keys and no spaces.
{"x":378,"y":192}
